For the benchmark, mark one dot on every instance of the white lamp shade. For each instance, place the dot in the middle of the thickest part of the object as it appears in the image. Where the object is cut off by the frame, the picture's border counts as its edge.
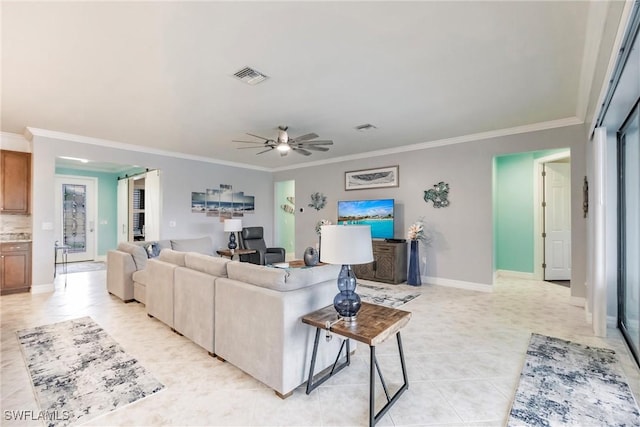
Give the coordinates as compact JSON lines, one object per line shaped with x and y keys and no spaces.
{"x":346,"y":244}
{"x":231,"y":225}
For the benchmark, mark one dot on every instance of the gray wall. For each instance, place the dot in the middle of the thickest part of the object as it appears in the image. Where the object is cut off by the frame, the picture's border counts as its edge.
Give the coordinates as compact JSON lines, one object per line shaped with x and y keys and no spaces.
{"x":461,"y":248}
{"x":179,"y":178}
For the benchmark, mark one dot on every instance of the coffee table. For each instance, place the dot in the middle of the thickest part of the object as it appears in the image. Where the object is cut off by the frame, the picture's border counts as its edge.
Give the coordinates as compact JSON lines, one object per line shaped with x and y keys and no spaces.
{"x":374,"y":324}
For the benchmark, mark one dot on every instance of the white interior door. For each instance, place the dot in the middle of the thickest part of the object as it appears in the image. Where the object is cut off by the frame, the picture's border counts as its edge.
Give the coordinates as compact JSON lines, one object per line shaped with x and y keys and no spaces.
{"x":558,"y":221}
{"x":75,"y":216}
{"x":123,"y":210}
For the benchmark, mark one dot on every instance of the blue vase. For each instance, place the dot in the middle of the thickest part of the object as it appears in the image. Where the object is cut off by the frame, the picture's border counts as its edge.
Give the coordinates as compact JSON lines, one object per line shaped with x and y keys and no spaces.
{"x":413,"y":277}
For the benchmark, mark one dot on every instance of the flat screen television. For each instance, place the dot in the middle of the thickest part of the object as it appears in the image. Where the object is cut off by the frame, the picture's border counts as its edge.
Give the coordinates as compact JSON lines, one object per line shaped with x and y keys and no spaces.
{"x":377,"y":213}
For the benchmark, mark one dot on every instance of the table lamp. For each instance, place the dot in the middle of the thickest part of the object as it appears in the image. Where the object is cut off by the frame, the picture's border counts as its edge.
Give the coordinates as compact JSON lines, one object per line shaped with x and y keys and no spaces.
{"x":231,"y":226}
{"x":346,"y":245}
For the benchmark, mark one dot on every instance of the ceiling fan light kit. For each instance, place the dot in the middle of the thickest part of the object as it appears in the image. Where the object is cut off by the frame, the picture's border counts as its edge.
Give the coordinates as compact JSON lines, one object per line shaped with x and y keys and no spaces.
{"x":283,"y":143}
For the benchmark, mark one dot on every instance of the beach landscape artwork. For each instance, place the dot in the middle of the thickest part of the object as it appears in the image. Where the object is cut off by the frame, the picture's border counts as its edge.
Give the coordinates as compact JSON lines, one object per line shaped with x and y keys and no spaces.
{"x":372,"y":178}
{"x":378,"y":214}
{"x":222,"y":202}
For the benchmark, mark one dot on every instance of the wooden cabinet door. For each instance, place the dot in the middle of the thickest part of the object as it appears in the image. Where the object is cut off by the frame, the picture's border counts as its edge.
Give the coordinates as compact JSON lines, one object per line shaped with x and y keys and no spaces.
{"x":15,"y":182}
{"x":385,"y":262}
{"x":364,"y":271}
{"x":15,"y":267}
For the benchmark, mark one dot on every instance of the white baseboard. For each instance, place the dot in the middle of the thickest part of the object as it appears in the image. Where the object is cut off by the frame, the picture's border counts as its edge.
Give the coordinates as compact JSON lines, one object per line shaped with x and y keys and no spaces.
{"x":577,"y":301}
{"x":472,"y":286}
{"x":41,"y":289}
{"x":101,"y":258}
{"x":514,"y":274}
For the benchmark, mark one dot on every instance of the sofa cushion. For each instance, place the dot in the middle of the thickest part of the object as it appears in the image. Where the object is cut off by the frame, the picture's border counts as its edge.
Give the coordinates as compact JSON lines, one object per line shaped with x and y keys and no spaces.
{"x":202,"y":245}
{"x":172,"y":257}
{"x":215,"y":266}
{"x":259,"y":275}
{"x":141,"y":276}
{"x":137,"y":252}
{"x":280,"y":279}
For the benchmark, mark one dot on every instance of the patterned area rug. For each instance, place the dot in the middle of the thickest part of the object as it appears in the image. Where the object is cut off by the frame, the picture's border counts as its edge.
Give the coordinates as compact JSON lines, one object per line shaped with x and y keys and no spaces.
{"x":568,"y":384}
{"x":388,"y":296}
{"x":79,"y":372}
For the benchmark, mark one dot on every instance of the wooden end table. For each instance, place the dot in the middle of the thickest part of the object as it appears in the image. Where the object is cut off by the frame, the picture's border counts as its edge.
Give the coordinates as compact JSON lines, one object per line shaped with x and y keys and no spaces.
{"x":374,"y":325}
{"x":228,"y":254}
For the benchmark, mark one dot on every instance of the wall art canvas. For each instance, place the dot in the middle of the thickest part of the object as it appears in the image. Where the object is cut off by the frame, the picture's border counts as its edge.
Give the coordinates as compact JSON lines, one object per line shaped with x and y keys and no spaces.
{"x":197,"y":202}
{"x":372,"y":178}
{"x":213,"y":201}
{"x":226,"y":202}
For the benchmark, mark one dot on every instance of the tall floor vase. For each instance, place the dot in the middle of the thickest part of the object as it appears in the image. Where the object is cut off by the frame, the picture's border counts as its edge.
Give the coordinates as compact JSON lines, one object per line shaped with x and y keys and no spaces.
{"x":413,"y":276}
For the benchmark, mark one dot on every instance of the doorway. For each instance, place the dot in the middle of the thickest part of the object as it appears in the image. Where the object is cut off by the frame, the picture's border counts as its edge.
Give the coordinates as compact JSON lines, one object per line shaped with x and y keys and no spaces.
{"x":552,"y":218}
{"x":75,"y":216}
{"x":284,"y":217}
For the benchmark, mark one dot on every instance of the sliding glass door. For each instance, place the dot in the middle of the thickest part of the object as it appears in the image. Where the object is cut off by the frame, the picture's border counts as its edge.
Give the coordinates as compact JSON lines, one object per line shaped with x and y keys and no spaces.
{"x":629,"y":231}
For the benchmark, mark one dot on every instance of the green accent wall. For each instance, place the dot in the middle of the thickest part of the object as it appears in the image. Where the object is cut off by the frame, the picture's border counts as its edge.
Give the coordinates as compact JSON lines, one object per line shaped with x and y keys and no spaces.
{"x":513,"y":210}
{"x":107,"y":206}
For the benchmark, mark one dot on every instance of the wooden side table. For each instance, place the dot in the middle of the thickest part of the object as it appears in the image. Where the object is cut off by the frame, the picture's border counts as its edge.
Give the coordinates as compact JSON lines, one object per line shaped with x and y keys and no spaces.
{"x":374,"y":325}
{"x":227,"y":252}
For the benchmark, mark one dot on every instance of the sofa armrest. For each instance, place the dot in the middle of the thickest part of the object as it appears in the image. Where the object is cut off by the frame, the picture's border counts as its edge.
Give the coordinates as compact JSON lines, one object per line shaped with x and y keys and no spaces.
{"x":159,"y":290}
{"x":120,"y":268}
{"x":252,"y":320}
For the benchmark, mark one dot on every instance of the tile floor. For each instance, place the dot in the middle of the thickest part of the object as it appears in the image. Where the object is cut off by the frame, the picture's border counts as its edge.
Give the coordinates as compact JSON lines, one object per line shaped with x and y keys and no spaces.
{"x":464,"y":351}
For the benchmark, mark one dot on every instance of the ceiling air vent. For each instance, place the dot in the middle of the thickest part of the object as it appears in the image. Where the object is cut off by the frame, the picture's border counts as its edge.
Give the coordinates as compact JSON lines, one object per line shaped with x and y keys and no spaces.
{"x":250,"y":76}
{"x":365,"y":127}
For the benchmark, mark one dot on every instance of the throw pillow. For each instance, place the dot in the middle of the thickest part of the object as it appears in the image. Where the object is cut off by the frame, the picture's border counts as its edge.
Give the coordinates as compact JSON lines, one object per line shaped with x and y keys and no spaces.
{"x":153,"y":250}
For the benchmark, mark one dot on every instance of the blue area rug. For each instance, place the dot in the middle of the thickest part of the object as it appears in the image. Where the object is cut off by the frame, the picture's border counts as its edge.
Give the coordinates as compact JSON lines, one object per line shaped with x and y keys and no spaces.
{"x":568,"y":384}
{"x":79,"y":372}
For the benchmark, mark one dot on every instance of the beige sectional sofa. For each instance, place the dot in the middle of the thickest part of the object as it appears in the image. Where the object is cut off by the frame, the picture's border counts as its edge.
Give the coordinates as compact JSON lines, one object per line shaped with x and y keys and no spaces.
{"x":246,"y":314}
{"x":129,"y":258}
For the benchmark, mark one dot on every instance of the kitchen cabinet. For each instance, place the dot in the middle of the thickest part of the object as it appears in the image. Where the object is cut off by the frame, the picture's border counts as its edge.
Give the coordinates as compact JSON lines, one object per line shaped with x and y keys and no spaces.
{"x":15,"y":182}
{"x":15,"y":267}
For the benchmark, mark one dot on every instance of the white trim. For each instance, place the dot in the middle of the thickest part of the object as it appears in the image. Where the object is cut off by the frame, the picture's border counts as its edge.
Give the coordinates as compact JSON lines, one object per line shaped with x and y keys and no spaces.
{"x":596,"y":20}
{"x":101,"y":258}
{"x":31,"y":132}
{"x":598,"y":209}
{"x":14,"y":142}
{"x":578,"y":301}
{"x":514,"y":274}
{"x":569,"y":121}
{"x":613,"y":59}
{"x":41,"y":289}
{"x":450,"y":283}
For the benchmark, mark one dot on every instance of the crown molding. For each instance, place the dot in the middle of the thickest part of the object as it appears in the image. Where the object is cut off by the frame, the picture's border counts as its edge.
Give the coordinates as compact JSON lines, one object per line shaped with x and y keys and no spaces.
{"x":569,"y":121}
{"x":30,"y":133}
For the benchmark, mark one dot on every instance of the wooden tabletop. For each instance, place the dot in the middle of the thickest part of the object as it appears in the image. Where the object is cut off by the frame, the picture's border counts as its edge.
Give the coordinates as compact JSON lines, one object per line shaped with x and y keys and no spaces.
{"x":227,"y":252}
{"x":298,"y":263}
{"x":373,"y":325}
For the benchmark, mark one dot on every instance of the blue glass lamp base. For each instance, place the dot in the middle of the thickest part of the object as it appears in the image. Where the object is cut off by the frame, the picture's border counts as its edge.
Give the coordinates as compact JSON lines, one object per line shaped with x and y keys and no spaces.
{"x":232,"y":241}
{"x":347,"y":302}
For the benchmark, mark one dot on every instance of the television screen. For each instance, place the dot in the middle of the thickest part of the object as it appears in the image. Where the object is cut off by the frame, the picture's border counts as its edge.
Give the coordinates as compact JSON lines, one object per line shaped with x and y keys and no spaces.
{"x":376,"y":213}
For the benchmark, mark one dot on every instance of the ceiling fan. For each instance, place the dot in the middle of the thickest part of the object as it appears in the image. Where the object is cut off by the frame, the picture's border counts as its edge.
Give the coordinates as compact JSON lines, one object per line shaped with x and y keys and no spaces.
{"x":283,"y":143}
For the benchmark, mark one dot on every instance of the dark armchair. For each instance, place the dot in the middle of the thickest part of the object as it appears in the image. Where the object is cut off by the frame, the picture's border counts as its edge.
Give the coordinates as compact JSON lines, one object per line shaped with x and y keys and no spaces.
{"x":252,"y":238}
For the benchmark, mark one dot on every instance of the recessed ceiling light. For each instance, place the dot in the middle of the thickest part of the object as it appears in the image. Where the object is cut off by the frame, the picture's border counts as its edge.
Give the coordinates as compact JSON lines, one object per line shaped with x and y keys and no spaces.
{"x":250,"y":76}
{"x":366,"y":127}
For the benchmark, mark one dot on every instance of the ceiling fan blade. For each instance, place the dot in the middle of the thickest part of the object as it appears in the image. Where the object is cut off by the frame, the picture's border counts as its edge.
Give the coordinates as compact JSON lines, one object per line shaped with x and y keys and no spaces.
{"x":248,"y":142}
{"x":318,"y":142}
{"x":258,"y":136}
{"x":245,"y":148}
{"x":301,"y":151}
{"x":264,"y":151}
{"x":304,"y":137}
{"x":311,"y":147}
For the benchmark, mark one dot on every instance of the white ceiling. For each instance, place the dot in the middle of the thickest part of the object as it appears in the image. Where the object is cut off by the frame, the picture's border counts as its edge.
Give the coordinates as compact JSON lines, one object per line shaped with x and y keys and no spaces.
{"x":159,"y":74}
